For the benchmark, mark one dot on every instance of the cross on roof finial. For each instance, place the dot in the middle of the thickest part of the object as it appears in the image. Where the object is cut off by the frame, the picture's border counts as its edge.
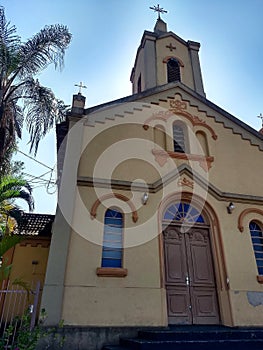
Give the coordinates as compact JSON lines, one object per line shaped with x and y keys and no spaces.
{"x":158,"y":9}
{"x":81,"y":86}
{"x":261,"y":117}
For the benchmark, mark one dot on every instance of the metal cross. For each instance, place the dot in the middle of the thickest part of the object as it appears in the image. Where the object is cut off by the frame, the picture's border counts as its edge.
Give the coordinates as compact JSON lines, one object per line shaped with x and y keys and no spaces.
{"x":171,"y":47}
{"x":81,"y":86}
{"x":158,"y":9}
{"x":261,"y":117}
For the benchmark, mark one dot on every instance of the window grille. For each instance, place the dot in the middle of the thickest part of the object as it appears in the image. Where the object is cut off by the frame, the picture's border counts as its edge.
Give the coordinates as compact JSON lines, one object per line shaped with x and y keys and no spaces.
{"x":257,"y":241}
{"x":112,"y":239}
{"x":178,"y":138}
{"x":179,"y":212}
{"x":173,"y":70}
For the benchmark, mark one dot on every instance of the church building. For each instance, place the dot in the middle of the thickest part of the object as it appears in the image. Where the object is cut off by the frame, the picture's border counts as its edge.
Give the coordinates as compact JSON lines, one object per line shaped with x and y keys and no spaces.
{"x":160,"y":213}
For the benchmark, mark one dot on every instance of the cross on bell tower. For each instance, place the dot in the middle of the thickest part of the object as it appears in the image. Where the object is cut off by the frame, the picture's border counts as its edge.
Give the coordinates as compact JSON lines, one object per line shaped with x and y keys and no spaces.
{"x":81,"y":86}
{"x":261,"y":117}
{"x":158,"y":9}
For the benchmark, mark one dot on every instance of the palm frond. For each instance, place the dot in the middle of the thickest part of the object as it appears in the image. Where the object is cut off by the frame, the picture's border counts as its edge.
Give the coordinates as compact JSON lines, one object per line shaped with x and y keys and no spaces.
{"x":9,"y":45}
{"x":18,"y":64}
{"x":9,"y":241}
{"x":9,"y":182}
{"x":8,"y":35}
{"x":19,"y":119}
{"x":46,"y":47}
{"x":13,"y":188}
{"x":42,"y":112}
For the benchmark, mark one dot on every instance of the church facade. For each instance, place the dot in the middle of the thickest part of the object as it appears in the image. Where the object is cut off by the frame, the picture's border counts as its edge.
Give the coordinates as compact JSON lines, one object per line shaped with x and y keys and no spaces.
{"x":160,"y":212}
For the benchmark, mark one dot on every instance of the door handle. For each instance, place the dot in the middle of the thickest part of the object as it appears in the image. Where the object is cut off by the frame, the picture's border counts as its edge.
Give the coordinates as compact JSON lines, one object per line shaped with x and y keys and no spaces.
{"x":187,"y":280}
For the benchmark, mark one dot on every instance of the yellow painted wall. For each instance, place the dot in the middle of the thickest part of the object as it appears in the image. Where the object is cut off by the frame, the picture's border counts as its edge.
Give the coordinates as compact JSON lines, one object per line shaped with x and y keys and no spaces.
{"x":139,"y":298}
{"x":29,"y":261}
{"x":23,"y":262}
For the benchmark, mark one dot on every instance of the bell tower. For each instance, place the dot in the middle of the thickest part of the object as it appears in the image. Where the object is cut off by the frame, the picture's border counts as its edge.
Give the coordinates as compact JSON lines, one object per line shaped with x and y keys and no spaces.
{"x":163,"y":57}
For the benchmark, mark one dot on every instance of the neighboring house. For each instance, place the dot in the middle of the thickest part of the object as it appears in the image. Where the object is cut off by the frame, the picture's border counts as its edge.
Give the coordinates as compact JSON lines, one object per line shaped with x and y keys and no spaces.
{"x":28,"y":259}
{"x":160,"y":212}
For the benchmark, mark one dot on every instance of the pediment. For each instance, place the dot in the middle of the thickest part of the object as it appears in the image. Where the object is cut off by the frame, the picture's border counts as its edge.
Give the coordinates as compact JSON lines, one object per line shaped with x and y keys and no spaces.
{"x":147,"y":102}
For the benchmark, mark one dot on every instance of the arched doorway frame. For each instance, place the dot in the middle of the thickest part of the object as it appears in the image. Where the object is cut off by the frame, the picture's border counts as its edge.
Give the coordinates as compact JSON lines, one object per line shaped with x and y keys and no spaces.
{"x":220,"y":268}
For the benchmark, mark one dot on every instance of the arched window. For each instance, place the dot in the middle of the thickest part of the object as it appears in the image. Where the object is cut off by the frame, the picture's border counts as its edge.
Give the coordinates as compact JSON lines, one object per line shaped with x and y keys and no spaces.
{"x":173,"y":70}
{"x":159,"y":136}
{"x":201,"y":137}
{"x":112,"y":239}
{"x":257,"y":241}
{"x":179,"y":212}
{"x":178,"y":138}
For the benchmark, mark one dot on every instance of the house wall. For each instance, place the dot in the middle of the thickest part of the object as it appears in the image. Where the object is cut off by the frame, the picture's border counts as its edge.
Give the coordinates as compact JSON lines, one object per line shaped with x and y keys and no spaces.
{"x":29,"y":260}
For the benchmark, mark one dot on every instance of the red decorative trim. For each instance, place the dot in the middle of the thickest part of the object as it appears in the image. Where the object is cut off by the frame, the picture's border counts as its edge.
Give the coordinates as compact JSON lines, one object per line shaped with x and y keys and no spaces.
{"x":244,"y":213}
{"x":93,"y":212}
{"x":162,"y":156}
{"x":179,"y":107}
{"x":111,"y":272}
{"x":167,"y":58}
{"x":260,"y":279}
{"x":35,"y":242}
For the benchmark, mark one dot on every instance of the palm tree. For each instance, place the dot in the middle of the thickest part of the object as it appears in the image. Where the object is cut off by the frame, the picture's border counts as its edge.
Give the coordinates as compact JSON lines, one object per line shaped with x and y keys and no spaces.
{"x":22,"y":97}
{"x":11,"y":188}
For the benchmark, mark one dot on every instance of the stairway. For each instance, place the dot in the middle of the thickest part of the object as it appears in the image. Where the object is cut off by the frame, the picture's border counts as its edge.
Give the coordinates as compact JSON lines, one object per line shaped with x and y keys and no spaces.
{"x":194,"y":338}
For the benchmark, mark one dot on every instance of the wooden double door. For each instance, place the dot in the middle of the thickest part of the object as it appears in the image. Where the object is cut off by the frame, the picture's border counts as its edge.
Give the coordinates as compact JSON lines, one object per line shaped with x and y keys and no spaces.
{"x":189,"y":276}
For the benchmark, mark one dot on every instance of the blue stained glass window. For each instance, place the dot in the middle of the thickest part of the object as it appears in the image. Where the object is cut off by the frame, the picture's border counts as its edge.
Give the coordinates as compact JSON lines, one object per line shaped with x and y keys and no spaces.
{"x":178,"y":138}
{"x":257,"y":241}
{"x":179,"y":212}
{"x":112,"y":239}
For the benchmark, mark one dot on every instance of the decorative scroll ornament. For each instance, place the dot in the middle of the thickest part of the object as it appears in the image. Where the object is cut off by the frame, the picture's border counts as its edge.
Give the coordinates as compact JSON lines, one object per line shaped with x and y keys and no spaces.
{"x":198,"y":236}
{"x":172,"y":234}
{"x":179,"y":107}
{"x":185,"y":182}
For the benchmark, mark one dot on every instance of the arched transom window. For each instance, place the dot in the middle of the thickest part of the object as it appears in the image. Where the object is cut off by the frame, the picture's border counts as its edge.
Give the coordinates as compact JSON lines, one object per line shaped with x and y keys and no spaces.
{"x":112,"y":249}
{"x":179,"y":212}
{"x":257,"y":241}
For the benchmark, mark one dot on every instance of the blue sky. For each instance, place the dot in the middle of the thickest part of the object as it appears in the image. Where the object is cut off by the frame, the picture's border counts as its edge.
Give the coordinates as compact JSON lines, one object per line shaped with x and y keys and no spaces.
{"x":106,"y":35}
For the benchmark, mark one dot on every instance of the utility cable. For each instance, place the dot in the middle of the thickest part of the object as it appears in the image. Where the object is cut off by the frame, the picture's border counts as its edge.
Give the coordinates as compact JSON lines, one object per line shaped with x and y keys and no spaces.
{"x":34,"y":159}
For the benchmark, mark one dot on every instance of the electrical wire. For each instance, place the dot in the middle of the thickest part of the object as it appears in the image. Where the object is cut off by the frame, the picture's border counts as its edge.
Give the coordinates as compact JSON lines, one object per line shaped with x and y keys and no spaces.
{"x":39,"y":181}
{"x":37,"y":161}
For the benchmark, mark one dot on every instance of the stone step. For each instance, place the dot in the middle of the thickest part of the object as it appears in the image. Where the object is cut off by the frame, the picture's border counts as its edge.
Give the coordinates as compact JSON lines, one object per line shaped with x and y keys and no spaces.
{"x":202,"y":334}
{"x":230,"y":344}
{"x":194,"y":338}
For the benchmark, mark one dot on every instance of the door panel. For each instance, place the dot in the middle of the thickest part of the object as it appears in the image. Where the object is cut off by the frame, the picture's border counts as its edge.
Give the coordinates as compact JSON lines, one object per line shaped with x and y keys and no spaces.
{"x":190,"y":282}
{"x":175,"y":262}
{"x":178,"y":301}
{"x":200,"y":259}
{"x":178,"y":297}
{"x":204,"y":306}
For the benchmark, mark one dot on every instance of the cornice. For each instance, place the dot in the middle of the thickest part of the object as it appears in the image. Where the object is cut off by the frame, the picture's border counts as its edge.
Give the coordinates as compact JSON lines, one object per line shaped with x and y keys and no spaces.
{"x":177,"y":175}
